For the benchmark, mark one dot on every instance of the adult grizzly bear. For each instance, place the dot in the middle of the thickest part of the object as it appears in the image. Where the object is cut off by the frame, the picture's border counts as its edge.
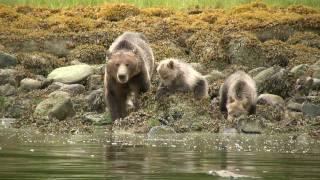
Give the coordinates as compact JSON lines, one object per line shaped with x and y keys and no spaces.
{"x":129,"y":68}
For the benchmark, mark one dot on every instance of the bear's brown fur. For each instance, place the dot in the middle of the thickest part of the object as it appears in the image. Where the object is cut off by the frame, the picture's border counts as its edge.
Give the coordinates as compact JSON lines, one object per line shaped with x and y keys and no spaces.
{"x":128,"y":71}
{"x":238,"y":95}
{"x":177,"y":75}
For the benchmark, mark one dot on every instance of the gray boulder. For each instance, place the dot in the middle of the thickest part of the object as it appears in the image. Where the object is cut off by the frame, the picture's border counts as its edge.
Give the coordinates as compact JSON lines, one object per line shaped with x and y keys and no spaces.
{"x":7,"y":90}
{"x":271,"y":99}
{"x":58,"y":106}
{"x":299,"y":70}
{"x":7,"y":60}
{"x":311,"y":109}
{"x":73,"y":89}
{"x":30,"y":84}
{"x":71,"y":74}
{"x":7,"y":76}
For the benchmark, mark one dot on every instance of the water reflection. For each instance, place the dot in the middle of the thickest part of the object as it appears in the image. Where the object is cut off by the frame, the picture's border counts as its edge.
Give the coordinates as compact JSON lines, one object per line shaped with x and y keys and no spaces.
{"x":125,"y":156}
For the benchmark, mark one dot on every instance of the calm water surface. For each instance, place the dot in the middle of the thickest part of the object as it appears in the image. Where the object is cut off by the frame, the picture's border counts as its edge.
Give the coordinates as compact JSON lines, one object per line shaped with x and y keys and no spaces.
{"x":25,"y":154}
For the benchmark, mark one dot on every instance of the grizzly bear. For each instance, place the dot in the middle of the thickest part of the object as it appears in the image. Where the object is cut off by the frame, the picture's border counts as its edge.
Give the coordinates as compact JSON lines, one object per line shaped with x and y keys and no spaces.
{"x":176,"y":75}
{"x":238,"y":95}
{"x":128,"y":71}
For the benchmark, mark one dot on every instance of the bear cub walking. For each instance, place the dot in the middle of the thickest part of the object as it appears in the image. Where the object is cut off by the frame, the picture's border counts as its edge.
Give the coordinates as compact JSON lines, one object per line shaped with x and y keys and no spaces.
{"x":177,"y":75}
{"x":238,"y":95}
{"x":129,"y":68}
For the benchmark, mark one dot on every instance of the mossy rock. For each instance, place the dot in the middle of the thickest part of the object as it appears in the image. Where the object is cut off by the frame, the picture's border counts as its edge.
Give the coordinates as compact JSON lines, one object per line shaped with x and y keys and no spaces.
{"x":167,"y":49}
{"x":38,"y":63}
{"x":117,"y":12}
{"x":87,"y":53}
{"x":244,"y":49}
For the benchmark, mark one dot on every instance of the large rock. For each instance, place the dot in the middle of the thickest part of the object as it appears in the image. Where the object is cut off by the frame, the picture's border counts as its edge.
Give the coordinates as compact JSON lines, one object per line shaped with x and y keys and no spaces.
{"x":30,"y":84}
{"x":311,"y":109}
{"x":71,"y":74}
{"x":73,"y":89}
{"x":299,"y":70}
{"x":264,"y":75}
{"x":7,"y":76}
{"x":271,"y":99}
{"x":7,"y":60}
{"x":7,"y":90}
{"x":95,"y":101}
{"x":58,"y":105}
{"x":159,"y":131}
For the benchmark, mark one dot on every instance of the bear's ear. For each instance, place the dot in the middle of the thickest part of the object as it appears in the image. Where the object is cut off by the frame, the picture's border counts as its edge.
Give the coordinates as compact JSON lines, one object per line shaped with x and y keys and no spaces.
{"x":171,"y":65}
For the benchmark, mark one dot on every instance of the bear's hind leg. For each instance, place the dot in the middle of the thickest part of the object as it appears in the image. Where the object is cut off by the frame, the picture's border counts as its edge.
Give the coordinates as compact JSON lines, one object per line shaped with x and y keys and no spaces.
{"x":223,"y":98}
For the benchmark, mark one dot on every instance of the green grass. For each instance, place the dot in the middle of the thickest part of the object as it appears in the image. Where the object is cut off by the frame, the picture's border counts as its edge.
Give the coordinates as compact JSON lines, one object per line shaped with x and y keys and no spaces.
{"x":178,"y":4}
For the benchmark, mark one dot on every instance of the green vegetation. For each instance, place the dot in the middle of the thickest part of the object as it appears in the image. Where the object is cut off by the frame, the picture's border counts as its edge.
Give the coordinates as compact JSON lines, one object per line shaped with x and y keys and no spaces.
{"x":178,"y":4}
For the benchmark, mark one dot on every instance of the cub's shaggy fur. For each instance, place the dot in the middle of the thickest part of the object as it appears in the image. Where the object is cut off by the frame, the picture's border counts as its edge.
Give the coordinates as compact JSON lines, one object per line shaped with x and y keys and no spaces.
{"x":177,"y":75}
{"x":129,"y":68}
{"x":238,"y":95}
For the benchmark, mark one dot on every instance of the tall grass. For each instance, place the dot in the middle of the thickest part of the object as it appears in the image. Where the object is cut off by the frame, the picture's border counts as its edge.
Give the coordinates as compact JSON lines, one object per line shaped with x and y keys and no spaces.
{"x":178,"y":4}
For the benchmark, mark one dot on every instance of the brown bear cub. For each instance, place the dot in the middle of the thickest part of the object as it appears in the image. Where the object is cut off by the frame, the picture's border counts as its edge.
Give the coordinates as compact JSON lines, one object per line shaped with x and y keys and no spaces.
{"x":176,"y":75}
{"x":238,"y":95}
{"x":129,"y":68}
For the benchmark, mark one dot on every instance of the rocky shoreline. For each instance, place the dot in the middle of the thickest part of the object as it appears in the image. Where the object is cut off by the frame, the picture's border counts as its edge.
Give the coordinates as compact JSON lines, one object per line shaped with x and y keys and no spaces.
{"x":52,"y":61}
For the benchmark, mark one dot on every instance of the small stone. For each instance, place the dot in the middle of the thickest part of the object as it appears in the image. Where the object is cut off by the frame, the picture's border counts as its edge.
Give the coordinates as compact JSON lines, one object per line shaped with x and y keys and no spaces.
{"x":7,"y":90}
{"x":73,"y":89}
{"x":71,"y":74}
{"x":7,"y":60}
{"x":293,"y":106}
{"x":271,"y":99}
{"x":157,"y":131}
{"x":7,"y":76}
{"x":95,"y":101}
{"x":249,"y":126}
{"x":299,"y":70}
{"x":30,"y":84}
{"x":310,"y":109}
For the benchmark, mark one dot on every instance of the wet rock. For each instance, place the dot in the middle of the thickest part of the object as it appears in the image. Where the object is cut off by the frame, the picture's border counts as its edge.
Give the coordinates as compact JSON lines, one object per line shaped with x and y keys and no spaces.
{"x":71,"y":74}
{"x":256,"y":71}
{"x":30,"y":84}
{"x":299,"y":70}
{"x":293,"y":106}
{"x":249,"y":126}
{"x":6,"y":122}
{"x":311,"y":109}
{"x":271,"y":99}
{"x":7,"y":60}
{"x":158,"y":131}
{"x":94,"y":82}
{"x":88,"y":53}
{"x":7,"y":90}
{"x":73,"y":89}
{"x":58,"y":106}
{"x":98,"y":119}
{"x":95,"y":101}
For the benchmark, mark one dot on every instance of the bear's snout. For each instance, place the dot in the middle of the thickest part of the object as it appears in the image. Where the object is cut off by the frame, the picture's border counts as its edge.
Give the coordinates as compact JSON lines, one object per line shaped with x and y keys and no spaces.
{"x":122,"y":74}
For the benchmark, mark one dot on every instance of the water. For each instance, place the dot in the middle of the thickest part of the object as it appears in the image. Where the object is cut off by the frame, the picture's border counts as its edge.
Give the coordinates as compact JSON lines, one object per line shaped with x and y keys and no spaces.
{"x":25,"y":154}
